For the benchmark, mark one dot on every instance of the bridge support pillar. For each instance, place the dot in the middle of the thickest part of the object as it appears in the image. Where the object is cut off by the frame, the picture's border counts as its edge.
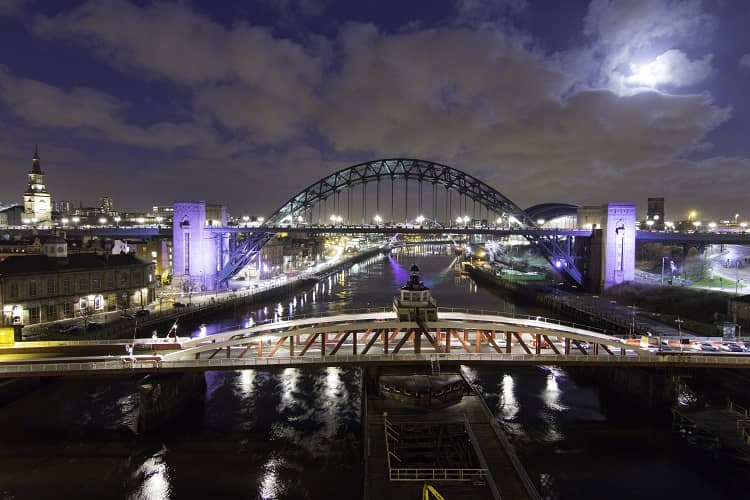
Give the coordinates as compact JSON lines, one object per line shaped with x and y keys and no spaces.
{"x":612,"y":251}
{"x":197,"y":253}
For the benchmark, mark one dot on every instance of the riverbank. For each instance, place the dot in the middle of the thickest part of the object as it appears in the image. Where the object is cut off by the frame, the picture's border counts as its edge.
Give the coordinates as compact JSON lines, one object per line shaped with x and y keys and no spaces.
{"x":587,"y":309}
{"x":206,"y":307}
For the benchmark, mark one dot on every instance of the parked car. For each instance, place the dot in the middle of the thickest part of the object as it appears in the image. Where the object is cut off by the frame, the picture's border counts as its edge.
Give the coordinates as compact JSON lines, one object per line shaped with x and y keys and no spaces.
{"x":142,"y":313}
{"x":95,"y":325}
{"x":705,"y":346}
{"x":70,"y":329}
{"x":179,"y":304}
{"x":127,"y":315}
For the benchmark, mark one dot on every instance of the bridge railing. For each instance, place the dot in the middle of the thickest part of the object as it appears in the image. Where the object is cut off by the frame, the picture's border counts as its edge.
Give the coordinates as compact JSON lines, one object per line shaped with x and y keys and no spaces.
{"x":463,"y":310}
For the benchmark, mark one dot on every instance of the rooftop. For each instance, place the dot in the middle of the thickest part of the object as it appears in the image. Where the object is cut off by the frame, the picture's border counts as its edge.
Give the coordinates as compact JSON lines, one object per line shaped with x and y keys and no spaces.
{"x":33,"y":264}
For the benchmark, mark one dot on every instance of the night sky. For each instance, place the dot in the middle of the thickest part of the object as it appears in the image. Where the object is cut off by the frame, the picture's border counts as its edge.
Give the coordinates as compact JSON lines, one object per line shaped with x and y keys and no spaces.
{"x":247,"y":103}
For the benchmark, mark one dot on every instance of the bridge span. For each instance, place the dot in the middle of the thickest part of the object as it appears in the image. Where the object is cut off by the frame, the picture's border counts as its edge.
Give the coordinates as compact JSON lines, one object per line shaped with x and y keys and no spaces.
{"x":359,"y":339}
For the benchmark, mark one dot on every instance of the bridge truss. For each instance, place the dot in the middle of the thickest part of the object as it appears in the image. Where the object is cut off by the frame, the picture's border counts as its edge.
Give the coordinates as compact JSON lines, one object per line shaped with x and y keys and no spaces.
{"x":371,"y":338}
{"x":492,"y":206}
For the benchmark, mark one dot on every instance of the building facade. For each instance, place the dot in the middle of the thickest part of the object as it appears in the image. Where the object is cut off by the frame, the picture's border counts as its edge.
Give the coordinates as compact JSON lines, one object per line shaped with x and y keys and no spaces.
{"x":55,"y":285}
{"x":37,"y":202}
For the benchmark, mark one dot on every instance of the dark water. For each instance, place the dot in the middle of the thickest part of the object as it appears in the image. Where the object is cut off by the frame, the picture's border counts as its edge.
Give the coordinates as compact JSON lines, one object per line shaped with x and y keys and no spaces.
{"x":296,"y":434}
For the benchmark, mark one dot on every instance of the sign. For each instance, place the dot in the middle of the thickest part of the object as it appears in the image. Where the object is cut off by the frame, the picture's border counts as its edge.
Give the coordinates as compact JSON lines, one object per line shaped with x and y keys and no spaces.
{"x":728,"y":331}
{"x":7,"y":335}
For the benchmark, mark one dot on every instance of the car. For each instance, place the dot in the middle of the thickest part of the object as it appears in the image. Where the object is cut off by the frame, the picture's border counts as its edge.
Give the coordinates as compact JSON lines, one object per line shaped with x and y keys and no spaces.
{"x":179,"y":304}
{"x":95,"y":325}
{"x":127,"y":315}
{"x":70,"y":329}
{"x":141,"y":313}
{"x":733,"y":347}
{"x":705,"y":346}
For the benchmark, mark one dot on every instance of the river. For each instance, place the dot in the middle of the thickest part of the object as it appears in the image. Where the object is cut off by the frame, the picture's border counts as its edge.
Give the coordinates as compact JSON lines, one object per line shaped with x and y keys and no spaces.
{"x":296,"y":434}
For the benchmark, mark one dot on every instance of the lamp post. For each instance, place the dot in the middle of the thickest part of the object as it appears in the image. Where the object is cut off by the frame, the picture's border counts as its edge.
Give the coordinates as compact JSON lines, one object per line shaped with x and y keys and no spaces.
{"x":679,"y":329}
{"x":737,"y":276}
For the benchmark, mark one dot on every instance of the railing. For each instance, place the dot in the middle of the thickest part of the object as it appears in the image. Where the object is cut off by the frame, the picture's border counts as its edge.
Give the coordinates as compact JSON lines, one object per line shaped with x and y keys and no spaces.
{"x":423,"y":473}
{"x":743,"y":424}
{"x":409,"y":474}
{"x":115,"y":364}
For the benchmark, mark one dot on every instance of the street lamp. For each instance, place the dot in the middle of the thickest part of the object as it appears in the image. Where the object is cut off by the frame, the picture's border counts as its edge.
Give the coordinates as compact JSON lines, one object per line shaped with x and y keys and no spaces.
{"x":377,"y":219}
{"x":420,"y":219}
{"x":117,"y":220}
{"x":736,"y":276}
{"x":76,"y":220}
{"x":679,"y":329}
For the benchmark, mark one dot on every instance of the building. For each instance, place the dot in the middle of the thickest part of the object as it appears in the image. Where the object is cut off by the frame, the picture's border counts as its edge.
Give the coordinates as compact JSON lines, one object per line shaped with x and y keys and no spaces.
{"x":20,"y":246}
{"x":655,"y":214}
{"x":62,"y":207}
{"x":106,"y":205}
{"x":11,"y":216}
{"x":590,"y":217}
{"x":415,"y":302}
{"x":37,"y":202}
{"x":55,"y":285}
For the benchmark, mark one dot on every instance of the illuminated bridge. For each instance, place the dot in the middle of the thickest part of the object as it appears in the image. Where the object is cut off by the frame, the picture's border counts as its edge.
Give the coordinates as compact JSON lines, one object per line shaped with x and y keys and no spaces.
{"x":358,"y":339}
{"x":382,"y":196}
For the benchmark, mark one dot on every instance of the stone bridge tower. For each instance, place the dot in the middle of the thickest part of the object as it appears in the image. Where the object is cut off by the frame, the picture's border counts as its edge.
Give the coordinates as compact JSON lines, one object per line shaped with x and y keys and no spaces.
{"x":196,"y":250}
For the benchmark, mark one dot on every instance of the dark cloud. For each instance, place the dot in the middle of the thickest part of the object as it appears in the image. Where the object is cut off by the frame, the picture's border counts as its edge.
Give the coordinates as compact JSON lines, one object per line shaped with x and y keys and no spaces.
{"x":591,"y":122}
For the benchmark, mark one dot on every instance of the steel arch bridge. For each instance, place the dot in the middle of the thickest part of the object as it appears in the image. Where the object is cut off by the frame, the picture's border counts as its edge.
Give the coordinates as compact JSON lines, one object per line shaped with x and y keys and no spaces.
{"x":300,"y":207}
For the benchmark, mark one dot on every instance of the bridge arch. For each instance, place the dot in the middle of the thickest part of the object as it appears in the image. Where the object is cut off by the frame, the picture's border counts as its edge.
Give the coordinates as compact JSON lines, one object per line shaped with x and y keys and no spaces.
{"x":405,"y":169}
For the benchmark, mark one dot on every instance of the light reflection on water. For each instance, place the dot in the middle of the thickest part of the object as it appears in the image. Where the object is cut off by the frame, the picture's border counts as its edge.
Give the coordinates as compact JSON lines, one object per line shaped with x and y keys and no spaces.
{"x":153,"y":476}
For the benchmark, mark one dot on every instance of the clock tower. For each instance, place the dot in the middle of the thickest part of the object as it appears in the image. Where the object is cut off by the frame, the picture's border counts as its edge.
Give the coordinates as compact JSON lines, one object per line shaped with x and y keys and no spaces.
{"x":37,"y":202}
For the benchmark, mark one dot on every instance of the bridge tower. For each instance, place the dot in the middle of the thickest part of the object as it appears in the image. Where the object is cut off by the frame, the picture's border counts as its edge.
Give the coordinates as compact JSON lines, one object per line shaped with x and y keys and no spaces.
{"x":196,"y":251}
{"x":612,"y":256}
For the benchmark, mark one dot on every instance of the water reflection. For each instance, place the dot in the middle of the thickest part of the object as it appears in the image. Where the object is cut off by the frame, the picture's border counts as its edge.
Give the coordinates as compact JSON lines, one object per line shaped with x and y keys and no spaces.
{"x":508,"y":404}
{"x":153,"y":476}
{"x":270,"y":486}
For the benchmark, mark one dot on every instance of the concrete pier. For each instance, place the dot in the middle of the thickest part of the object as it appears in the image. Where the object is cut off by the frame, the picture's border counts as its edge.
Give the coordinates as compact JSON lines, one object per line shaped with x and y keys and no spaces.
{"x":502,"y":479}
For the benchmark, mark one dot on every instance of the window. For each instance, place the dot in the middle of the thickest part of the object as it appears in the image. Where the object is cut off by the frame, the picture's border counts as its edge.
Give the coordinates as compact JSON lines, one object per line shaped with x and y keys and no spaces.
{"x":34,"y":314}
{"x":50,"y":312}
{"x":186,"y":256}
{"x":50,"y":287}
{"x":68,"y":309}
{"x":66,"y":285}
{"x":82,"y":284}
{"x":32,"y":290}
{"x":14,"y":290}
{"x":110,"y":280}
{"x":96,"y":284}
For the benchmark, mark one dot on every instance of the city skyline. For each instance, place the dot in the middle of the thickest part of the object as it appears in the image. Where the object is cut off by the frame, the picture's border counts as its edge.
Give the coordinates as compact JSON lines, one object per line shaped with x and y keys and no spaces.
{"x":601,"y":101}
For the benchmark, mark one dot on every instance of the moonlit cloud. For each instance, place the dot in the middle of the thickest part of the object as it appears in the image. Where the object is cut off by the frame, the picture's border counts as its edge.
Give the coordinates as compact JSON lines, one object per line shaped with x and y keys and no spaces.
{"x":672,"y":68}
{"x":624,"y":34}
{"x":745,"y":61}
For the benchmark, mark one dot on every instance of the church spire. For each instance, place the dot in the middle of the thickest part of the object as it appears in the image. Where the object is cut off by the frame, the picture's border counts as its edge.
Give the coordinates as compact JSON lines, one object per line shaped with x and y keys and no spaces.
{"x":36,"y":167}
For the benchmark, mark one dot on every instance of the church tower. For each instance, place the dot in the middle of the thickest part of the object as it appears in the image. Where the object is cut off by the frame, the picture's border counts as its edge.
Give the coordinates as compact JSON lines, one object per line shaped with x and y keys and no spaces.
{"x":37,"y":202}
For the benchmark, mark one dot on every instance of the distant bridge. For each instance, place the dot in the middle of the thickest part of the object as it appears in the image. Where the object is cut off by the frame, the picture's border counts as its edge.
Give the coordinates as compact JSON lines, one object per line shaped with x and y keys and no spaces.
{"x":357,"y":339}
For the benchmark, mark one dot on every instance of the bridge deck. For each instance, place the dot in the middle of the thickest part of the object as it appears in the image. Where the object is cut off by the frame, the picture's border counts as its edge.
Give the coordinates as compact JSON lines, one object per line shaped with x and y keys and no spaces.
{"x":358,"y":340}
